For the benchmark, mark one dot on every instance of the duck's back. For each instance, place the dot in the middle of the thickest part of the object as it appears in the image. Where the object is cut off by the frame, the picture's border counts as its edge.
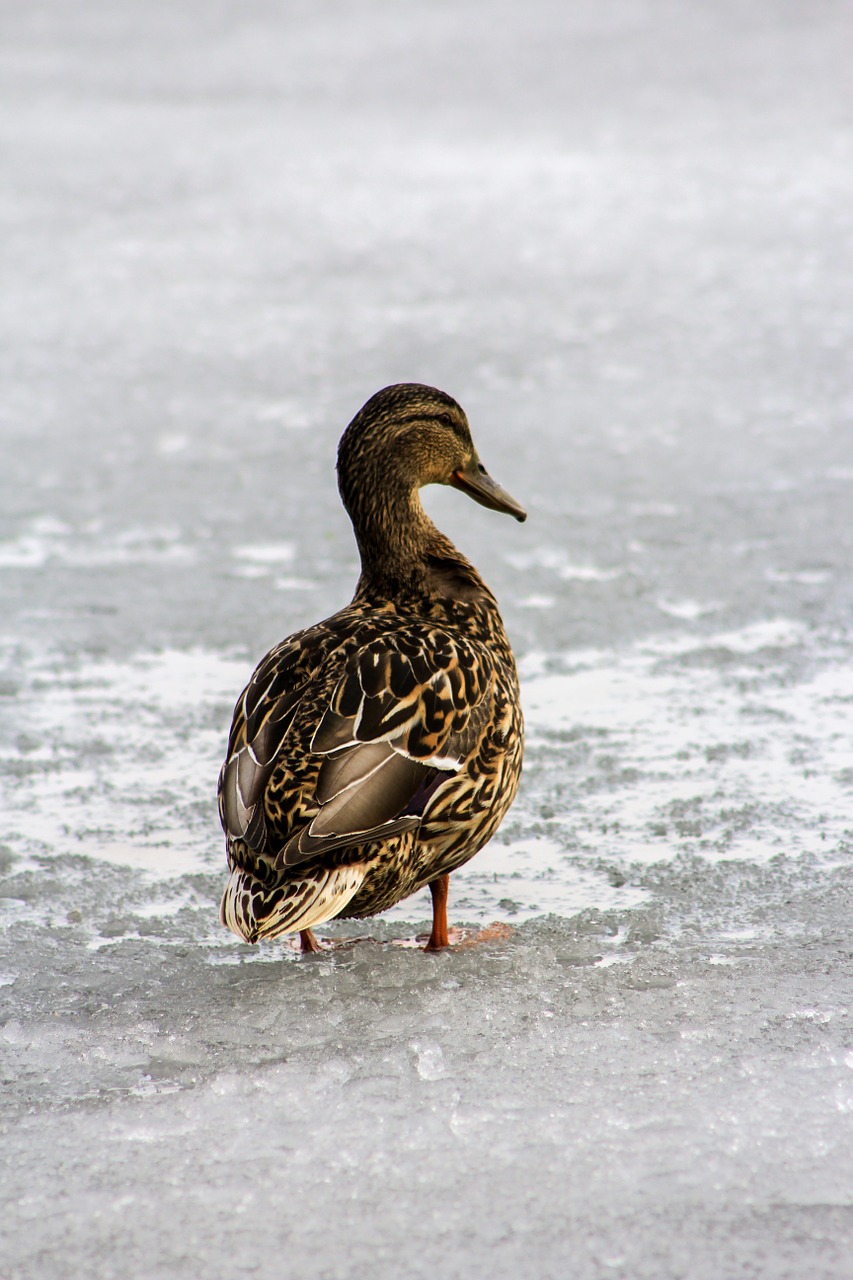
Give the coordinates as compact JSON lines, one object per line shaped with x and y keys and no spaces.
{"x":371,"y":727}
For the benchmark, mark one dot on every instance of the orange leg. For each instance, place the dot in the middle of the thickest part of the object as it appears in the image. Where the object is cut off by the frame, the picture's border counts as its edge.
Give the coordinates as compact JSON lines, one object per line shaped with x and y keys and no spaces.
{"x":307,"y":941}
{"x":438,"y":938}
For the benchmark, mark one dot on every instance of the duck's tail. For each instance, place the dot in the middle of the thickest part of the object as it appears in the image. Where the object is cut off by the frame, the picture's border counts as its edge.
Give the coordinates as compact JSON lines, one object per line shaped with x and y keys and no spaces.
{"x":254,"y":910}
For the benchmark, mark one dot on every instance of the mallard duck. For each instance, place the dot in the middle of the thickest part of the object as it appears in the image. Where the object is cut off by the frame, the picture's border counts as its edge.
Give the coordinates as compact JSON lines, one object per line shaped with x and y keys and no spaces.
{"x":377,"y":751}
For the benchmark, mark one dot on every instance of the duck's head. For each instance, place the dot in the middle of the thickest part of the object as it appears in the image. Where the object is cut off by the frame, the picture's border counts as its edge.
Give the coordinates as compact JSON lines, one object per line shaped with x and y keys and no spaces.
{"x":407,"y":436}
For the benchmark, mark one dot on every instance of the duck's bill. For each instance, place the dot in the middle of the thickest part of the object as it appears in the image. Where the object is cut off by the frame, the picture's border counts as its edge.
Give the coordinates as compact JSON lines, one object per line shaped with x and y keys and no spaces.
{"x":479,"y":485}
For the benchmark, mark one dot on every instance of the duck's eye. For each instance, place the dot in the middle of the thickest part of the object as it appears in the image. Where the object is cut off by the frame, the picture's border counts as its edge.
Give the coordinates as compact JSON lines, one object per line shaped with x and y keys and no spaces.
{"x":445,"y":419}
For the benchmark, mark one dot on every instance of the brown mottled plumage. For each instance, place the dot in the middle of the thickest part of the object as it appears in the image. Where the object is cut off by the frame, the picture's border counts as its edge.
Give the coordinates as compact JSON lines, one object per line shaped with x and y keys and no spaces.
{"x":376,"y":752}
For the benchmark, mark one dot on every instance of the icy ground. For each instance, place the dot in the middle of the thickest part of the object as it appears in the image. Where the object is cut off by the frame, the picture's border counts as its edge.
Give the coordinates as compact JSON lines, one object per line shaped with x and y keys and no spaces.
{"x":621,"y":232}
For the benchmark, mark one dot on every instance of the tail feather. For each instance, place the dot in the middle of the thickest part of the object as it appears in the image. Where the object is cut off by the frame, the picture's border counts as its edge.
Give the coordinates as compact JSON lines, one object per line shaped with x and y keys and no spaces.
{"x":254,"y":910}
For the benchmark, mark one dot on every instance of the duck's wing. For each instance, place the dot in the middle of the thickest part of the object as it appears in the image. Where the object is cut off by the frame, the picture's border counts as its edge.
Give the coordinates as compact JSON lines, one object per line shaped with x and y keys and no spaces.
{"x":264,"y":714}
{"x":397,"y":724}
{"x":398,"y":721}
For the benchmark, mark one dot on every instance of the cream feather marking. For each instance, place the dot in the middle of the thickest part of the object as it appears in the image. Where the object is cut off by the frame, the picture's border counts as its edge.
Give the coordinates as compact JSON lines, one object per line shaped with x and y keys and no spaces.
{"x":245,"y":910}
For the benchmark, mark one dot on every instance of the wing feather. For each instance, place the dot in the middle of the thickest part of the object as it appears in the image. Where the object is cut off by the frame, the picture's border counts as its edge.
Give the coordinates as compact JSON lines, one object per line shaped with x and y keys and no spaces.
{"x":400,"y":717}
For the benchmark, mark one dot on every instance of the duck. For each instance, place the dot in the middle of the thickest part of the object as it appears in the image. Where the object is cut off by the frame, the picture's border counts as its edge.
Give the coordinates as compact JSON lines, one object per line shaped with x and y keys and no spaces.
{"x":376,"y":752}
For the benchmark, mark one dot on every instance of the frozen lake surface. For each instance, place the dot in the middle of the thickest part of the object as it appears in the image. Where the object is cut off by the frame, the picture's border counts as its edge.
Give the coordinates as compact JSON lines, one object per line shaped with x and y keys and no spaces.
{"x":621,"y":234}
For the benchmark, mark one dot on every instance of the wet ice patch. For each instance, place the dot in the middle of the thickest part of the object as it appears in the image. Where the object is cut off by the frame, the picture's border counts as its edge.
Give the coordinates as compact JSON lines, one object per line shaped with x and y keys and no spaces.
{"x":520,"y":879}
{"x":537,"y":876}
{"x":715,"y":746}
{"x":119,"y":760}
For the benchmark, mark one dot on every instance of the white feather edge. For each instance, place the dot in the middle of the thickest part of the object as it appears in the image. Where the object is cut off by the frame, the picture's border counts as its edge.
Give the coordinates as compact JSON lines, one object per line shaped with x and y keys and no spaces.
{"x":332,"y":894}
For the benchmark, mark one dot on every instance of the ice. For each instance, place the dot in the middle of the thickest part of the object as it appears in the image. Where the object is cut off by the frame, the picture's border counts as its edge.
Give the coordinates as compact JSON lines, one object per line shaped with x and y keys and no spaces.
{"x":699,"y":760}
{"x":279,"y":553}
{"x":48,"y":539}
{"x":620,"y":233}
{"x":93,"y":755}
{"x":686,"y":610}
{"x":551,"y":558}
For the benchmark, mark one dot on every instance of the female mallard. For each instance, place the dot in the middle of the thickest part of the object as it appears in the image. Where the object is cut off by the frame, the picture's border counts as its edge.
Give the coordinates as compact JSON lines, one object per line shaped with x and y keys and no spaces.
{"x":378,"y":751}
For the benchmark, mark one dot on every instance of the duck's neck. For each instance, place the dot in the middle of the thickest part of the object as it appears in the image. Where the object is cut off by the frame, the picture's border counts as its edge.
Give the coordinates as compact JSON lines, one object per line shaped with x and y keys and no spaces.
{"x":404,"y":557}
